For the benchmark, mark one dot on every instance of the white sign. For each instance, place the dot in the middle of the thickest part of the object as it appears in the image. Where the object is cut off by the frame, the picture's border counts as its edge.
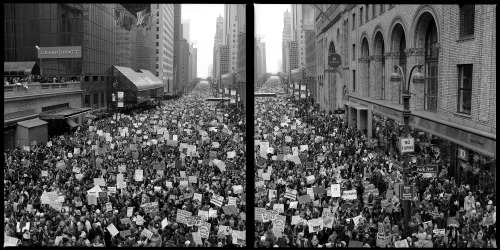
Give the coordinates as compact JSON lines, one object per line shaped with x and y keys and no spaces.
{"x":349,"y":195}
{"x":407,"y":145}
{"x":335,"y":190}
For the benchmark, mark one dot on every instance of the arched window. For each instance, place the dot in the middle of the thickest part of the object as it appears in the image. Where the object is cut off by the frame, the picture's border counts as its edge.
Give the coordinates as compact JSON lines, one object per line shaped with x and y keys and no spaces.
{"x":431,"y":66}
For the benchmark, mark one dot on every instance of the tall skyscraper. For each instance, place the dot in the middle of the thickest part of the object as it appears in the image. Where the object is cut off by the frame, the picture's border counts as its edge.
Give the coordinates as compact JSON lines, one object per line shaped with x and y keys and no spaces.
{"x":231,"y":33}
{"x":164,"y":28}
{"x":298,"y":34}
{"x":183,"y":64}
{"x":177,"y":42}
{"x":218,"y":41}
{"x":286,"y":38}
{"x":261,"y":57}
{"x":186,"y":29}
{"x":210,"y":70}
{"x":193,"y":53}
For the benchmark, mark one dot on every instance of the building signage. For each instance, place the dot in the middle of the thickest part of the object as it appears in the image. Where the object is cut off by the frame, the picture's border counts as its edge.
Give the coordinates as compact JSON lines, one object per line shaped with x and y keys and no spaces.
{"x":406,"y":192}
{"x":334,"y":60}
{"x":462,"y":154}
{"x":430,"y":168}
{"x":339,"y":111}
{"x":407,"y":145}
{"x":60,"y":52}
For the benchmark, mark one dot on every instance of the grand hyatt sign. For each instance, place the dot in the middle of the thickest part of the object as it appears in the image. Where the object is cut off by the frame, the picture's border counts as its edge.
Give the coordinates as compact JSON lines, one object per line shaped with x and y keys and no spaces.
{"x":60,"y":52}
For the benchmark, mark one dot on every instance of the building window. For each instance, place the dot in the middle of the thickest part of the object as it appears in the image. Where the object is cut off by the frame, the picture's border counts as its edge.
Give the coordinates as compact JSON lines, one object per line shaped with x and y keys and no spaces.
{"x":55,"y":107}
{"x":361,"y":16}
{"x":366,"y":14}
{"x":157,"y":36}
{"x":102,"y":99}
{"x":467,"y":12}
{"x":354,"y":81}
{"x":96,"y":100}
{"x":382,"y":8}
{"x":95,"y":78}
{"x":354,"y":52}
{"x":87,"y":101}
{"x":373,"y":11}
{"x":353,"y":21}
{"x":464,"y":88}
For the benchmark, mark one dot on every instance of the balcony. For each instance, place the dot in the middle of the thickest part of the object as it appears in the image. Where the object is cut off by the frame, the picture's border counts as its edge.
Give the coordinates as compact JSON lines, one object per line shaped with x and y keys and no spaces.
{"x":36,"y":89}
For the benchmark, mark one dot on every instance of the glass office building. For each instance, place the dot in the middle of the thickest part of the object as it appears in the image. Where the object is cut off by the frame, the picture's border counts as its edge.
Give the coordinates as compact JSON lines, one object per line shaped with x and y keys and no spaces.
{"x":91,"y":26}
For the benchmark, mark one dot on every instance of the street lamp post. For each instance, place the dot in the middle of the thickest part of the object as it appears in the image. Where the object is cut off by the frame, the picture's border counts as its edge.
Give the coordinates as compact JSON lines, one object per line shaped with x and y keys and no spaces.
{"x":417,"y":78}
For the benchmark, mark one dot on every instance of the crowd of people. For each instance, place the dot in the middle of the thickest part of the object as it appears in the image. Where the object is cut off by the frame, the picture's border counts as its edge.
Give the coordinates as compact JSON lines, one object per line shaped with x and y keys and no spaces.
{"x":172,"y":176}
{"x":321,"y":183}
{"x":36,"y":79}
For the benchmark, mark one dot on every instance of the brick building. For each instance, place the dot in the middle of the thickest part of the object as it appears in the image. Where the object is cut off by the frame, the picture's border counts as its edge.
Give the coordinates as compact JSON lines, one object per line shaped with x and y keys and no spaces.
{"x":453,"y":110}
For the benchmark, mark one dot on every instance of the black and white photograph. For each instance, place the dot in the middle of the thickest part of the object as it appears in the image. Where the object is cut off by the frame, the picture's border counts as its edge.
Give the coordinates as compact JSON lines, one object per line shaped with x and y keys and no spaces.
{"x":124,"y":125}
{"x":357,"y":125}
{"x":375,"y":125}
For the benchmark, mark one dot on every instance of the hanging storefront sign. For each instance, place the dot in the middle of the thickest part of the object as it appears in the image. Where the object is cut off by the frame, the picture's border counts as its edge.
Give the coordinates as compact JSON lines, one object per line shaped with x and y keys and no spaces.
{"x":462,"y":154}
{"x":334,"y":60}
{"x":60,"y":52}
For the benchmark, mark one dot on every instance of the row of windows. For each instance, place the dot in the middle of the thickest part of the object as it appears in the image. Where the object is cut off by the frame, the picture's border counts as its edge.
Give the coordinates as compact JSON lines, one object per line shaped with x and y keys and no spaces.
{"x":467,"y":14}
{"x":55,"y":107}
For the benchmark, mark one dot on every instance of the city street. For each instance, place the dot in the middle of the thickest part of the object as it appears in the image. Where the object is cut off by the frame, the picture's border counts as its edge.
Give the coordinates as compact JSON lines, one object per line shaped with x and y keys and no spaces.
{"x":166,"y":177}
{"x":320,"y":182}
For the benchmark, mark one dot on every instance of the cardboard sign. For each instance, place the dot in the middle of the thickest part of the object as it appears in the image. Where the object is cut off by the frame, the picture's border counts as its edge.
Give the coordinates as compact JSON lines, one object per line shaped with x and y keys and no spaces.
{"x":229,"y":209}
{"x":319,"y":190}
{"x":310,"y":179}
{"x":112,"y":229}
{"x":217,"y":200}
{"x":335,"y":190}
{"x":304,"y":199}
{"x":204,"y":229}
{"x":383,"y":241}
{"x":139,"y":175}
{"x":349,"y":195}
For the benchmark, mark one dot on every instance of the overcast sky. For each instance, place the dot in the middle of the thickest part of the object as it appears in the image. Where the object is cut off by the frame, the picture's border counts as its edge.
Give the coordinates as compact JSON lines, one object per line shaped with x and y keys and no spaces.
{"x":269,"y":23}
{"x":202,"y":31}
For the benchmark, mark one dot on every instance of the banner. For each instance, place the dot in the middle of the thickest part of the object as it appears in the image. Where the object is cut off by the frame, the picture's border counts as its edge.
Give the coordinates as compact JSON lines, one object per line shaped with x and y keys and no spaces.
{"x":349,"y":195}
{"x":291,"y":194}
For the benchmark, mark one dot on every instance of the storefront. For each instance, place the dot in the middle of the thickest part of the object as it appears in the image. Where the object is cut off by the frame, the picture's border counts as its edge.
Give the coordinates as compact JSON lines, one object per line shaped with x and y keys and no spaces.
{"x":467,"y":155}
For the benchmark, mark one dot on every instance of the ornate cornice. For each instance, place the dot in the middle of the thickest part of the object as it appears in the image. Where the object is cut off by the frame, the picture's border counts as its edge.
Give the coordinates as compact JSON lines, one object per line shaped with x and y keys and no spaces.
{"x":391,"y":55}
{"x":376,"y":58}
{"x":415,"y":52}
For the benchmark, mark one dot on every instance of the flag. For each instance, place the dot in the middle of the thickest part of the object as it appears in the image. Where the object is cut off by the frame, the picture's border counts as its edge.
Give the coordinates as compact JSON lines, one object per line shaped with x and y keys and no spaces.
{"x":119,"y":17}
{"x":127,"y":23}
{"x":141,"y":17}
{"x":149,"y":22}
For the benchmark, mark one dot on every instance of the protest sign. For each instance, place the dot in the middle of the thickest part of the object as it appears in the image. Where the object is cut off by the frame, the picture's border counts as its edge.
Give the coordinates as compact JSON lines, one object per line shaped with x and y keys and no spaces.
{"x":112,"y":229}
{"x":217,"y":200}
{"x":229,"y":209}
{"x":349,"y":195}
{"x":204,"y":229}
{"x":382,"y":241}
{"x":291,"y":194}
{"x":335,"y":190}
{"x":304,"y":199}
{"x":139,"y":175}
